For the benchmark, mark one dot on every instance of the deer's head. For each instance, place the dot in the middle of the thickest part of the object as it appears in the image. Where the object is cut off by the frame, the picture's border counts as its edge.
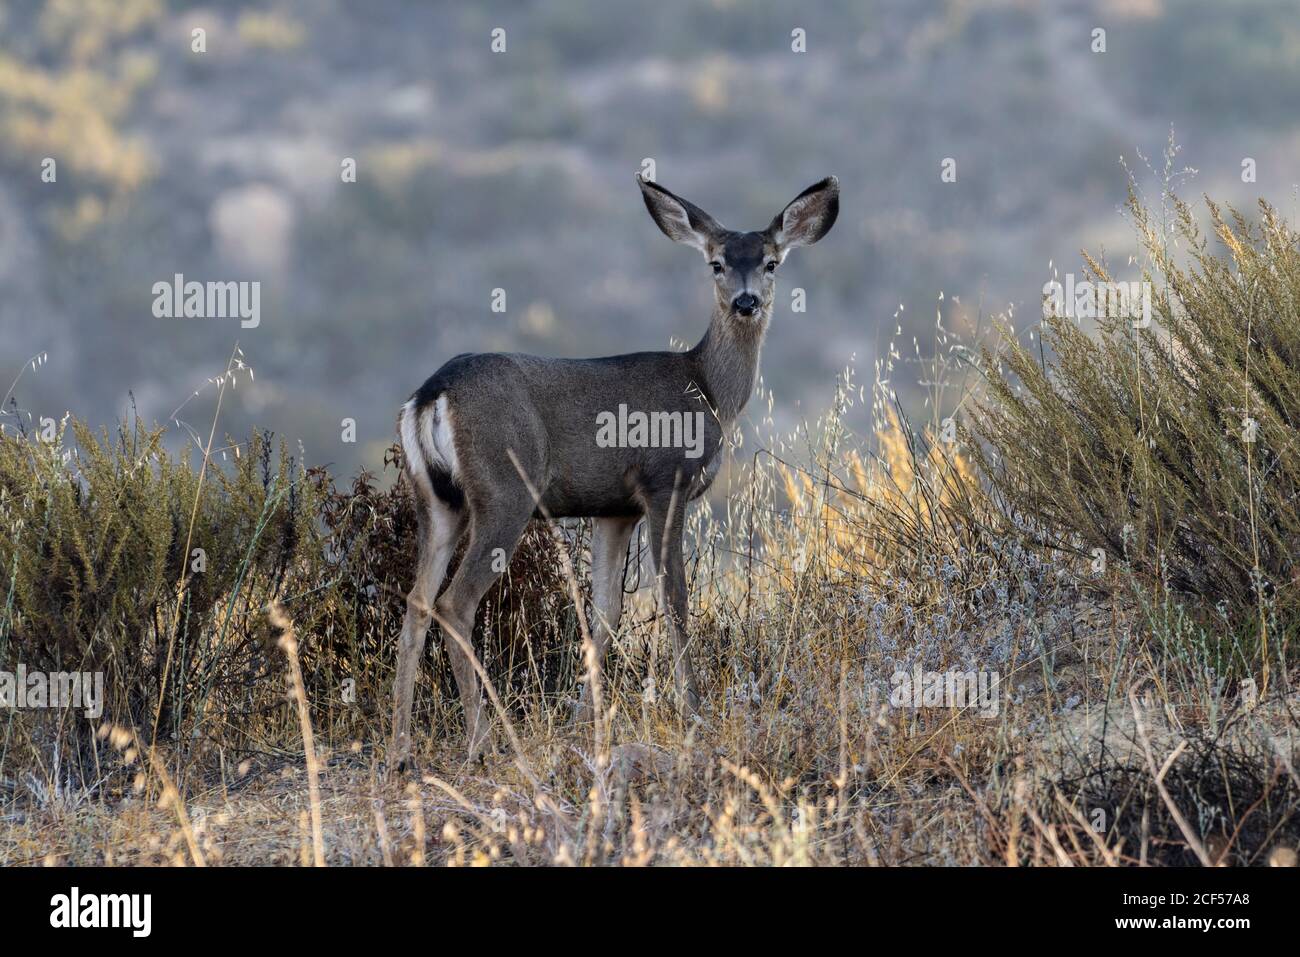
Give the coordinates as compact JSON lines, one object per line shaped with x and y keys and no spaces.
{"x":744,"y":265}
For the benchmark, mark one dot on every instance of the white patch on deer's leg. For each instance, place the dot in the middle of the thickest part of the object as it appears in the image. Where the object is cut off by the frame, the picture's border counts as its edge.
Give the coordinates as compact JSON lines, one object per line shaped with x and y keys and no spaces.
{"x":436,"y":436}
{"x":441,"y":528}
{"x":416,"y":466}
{"x":609,"y":541}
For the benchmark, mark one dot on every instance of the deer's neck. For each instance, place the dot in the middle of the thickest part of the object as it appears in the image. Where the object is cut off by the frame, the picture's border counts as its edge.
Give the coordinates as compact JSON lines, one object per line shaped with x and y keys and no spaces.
{"x":727,"y":360}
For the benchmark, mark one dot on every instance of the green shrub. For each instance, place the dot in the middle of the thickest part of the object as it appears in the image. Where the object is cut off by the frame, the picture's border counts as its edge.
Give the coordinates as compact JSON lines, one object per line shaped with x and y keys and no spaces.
{"x":101,"y":570}
{"x":1140,"y":441}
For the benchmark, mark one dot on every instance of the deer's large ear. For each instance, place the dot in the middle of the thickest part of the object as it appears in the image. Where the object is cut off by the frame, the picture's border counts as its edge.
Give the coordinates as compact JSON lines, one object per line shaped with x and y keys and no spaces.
{"x":680,"y":221}
{"x":809,"y":216}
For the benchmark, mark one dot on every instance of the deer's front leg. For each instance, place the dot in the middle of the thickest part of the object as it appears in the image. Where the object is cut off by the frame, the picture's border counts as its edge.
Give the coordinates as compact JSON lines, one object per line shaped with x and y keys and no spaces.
{"x":666,"y":534}
{"x":609,"y":541}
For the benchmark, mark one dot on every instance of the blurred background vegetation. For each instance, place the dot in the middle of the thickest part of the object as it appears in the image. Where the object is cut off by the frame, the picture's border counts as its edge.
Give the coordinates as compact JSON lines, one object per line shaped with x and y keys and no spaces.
{"x":479,"y":170}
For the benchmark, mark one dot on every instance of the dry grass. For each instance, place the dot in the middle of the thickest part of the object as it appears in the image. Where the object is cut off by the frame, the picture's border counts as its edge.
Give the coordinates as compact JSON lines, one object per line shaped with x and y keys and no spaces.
{"x":800,"y":758}
{"x":832,"y":776}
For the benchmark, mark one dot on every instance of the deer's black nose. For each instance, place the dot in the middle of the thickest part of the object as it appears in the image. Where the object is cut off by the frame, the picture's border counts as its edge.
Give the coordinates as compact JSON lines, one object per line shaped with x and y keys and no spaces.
{"x":745,"y":304}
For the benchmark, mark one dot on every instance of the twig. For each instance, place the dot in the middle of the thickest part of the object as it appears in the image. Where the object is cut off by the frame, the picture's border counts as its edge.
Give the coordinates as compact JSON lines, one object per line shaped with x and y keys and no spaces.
{"x":1097,"y":839}
{"x":1192,"y":840}
{"x":289,"y":644}
{"x":185,"y":553}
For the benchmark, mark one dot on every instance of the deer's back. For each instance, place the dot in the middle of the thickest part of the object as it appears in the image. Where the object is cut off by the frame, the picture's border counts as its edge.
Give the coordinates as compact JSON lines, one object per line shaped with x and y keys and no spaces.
{"x":595,"y":436}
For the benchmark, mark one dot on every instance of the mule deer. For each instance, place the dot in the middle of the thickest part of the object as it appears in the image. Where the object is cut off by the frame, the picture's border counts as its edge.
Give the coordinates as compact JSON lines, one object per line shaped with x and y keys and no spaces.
{"x":487,"y":430}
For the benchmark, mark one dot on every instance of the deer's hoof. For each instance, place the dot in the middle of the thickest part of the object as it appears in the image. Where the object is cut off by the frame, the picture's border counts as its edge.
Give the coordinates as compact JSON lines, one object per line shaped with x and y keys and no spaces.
{"x":581,"y":716}
{"x":398,"y":767}
{"x":691,"y":702}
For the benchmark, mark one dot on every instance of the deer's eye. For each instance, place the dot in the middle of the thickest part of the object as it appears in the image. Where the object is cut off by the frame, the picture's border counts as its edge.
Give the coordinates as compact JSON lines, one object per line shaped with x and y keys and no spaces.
{"x":771,"y":266}
{"x":716,"y":267}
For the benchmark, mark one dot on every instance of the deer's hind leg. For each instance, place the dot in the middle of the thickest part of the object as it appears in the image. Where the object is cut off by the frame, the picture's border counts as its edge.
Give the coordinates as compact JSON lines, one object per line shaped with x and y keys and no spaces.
{"x":497,"y":522}
{"x":440,"y":529}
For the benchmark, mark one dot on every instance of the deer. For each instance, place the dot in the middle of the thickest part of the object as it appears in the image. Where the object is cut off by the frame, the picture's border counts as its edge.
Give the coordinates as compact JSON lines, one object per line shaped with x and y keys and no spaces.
{"x":492,"y":441}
